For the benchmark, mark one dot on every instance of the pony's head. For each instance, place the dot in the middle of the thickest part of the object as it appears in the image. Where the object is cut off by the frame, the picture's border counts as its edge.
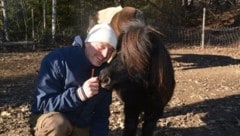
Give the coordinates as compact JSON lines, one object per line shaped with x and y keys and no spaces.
{"x":141,"y":53}
{"x":142,"y":60}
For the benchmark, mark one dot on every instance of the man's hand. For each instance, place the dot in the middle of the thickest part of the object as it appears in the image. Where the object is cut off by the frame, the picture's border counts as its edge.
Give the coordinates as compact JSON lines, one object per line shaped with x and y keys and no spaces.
{"x":89,"y":88}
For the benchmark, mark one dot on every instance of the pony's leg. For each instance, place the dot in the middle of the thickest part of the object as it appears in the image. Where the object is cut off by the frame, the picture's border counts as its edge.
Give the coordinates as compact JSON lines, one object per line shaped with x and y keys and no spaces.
{"x":149,"y":125}
{"x":131,"y":121}
{"x":150,"y":121}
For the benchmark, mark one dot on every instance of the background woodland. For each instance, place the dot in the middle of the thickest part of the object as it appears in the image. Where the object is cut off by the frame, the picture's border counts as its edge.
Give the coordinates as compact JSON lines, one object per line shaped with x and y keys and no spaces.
{"x":58,"y":21}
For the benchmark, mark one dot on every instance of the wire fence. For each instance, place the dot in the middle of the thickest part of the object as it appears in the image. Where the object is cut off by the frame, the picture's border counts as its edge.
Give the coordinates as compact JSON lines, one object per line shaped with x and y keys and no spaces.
{"x":229,"y":36}
{"x":179,"y":36}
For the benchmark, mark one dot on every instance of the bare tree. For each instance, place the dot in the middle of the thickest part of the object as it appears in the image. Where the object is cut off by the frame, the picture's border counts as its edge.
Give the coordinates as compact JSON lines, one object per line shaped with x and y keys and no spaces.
{"x":54,"y":18}
{"x":23,"y":6}
{"x":121,"y":2}
{"x":44,"y":13}
{"x":5,"y":19}
{"x":33,"y":31}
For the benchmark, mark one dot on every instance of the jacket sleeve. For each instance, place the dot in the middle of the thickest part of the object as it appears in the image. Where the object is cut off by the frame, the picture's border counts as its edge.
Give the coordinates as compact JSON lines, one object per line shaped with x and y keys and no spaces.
{"x":100,"y":121}
{"x":51,"y":94}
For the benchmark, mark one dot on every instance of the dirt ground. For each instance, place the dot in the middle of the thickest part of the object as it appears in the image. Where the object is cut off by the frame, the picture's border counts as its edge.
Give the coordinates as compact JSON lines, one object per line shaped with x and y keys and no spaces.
{"x":206,"y":101}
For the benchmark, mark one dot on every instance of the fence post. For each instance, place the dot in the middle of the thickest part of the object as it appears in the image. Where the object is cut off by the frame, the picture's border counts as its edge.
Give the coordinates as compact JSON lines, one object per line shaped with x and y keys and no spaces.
{"x":203,"y":28}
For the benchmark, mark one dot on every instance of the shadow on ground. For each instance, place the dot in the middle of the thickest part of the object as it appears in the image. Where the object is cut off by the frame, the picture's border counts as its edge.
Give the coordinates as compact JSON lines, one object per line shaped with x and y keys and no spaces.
{"x":222,"y":118}
{"x":16,"y":91}
{"x":197,"y":61}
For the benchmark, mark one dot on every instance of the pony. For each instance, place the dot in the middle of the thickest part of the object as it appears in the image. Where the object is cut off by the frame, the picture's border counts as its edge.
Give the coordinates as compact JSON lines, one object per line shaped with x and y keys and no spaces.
{"x":142,"y":75}
{"x":117,"y":17}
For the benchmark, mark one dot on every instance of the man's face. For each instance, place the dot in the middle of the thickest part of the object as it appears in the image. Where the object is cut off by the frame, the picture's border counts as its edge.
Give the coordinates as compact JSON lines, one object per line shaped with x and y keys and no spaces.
{"x":98,"y":52}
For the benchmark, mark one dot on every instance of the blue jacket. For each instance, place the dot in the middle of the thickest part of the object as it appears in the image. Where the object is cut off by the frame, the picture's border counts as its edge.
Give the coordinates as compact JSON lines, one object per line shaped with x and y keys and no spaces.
{"x":62,"y":71}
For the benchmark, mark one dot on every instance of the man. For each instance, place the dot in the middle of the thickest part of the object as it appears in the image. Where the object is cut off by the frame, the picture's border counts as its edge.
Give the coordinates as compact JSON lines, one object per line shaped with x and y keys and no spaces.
{"x":68,"y":97}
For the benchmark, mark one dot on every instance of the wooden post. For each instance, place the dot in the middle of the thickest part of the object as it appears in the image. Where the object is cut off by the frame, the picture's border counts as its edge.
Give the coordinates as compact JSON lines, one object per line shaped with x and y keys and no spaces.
{"x":203,"y":28}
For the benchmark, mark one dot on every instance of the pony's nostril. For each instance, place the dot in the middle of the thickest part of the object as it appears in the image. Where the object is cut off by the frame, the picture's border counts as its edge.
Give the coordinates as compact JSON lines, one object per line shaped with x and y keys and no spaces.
{"x":107,"y":80}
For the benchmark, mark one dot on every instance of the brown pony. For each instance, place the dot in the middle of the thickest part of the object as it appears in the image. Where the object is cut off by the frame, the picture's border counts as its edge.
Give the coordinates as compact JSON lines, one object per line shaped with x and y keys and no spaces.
{"x":117,"y":17}
{"x":142,"y":75}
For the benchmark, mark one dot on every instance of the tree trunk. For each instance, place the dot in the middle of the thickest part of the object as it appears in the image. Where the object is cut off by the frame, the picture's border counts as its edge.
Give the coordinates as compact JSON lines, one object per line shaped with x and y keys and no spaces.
{"x":33,"y":31}
{"x":121,"y":2}
{"x":44,"y":13}
{"x":54,"y":18}
{"x":24,"y":19}
{"x":5,"y":19}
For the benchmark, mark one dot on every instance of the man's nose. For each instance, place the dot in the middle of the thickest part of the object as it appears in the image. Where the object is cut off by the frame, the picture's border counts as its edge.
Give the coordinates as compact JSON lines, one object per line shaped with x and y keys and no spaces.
{"x":105,"y":52}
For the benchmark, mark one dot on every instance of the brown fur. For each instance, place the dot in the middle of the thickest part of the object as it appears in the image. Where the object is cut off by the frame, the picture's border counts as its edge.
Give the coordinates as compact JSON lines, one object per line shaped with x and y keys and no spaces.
{"x":122,"y":18}
{"x":102,"y":16}
{"x":143,"y":52}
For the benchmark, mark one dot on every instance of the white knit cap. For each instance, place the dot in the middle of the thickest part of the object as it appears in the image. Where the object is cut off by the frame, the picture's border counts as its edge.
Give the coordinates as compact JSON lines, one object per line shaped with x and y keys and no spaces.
{"x":102,"y":33}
